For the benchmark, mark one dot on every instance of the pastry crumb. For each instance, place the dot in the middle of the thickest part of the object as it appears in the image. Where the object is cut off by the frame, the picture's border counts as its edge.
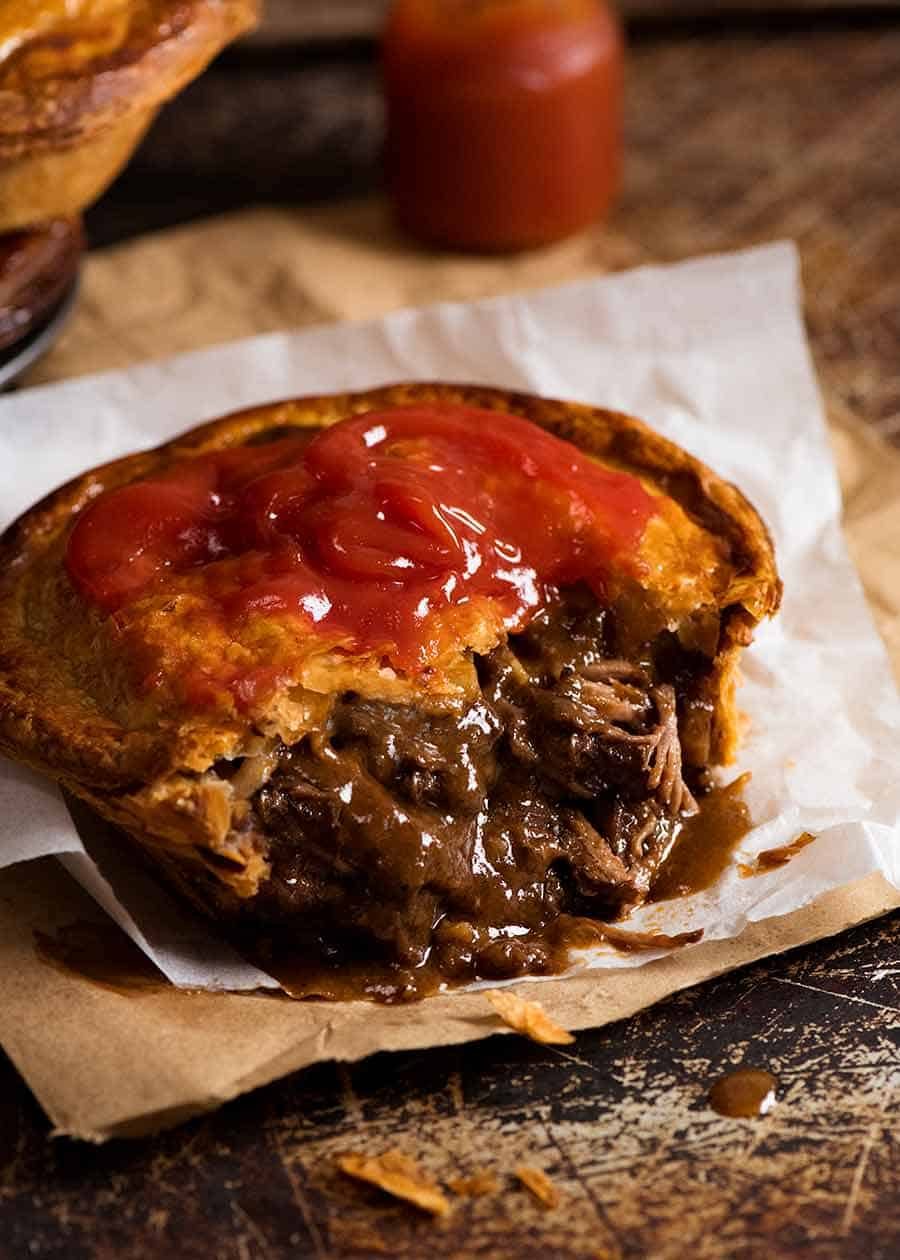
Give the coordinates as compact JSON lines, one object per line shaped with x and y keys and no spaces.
{"x":771,"y":859}
{"x":540,"y":1185}
{"x":397,"y":1175}
{"x":528,"y":1018}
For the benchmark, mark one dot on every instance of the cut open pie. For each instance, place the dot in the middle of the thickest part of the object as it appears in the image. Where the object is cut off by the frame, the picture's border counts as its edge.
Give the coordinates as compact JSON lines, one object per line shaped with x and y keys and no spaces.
{"x":414,"y":681}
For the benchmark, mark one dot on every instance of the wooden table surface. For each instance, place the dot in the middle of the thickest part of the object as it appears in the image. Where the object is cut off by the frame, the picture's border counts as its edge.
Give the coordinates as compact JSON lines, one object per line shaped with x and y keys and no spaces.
{"x":734,"y":136}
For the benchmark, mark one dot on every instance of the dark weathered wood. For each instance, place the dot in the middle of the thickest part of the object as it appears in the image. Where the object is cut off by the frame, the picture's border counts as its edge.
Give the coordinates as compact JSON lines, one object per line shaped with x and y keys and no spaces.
{"x":731,"y":140}
{"x":619,"y":1120}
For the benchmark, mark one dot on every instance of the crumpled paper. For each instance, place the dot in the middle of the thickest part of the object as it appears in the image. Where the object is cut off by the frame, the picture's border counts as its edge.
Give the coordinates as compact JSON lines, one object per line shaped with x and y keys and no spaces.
{"x":712,"y":354}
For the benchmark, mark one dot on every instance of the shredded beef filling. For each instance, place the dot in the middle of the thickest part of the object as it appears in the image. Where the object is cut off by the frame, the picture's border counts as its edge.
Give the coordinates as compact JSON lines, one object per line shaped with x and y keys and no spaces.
{"x":460,"y":839}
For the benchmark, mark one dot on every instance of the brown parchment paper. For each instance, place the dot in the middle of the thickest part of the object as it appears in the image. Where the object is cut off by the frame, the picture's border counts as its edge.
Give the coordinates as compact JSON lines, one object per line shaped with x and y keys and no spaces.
{"x":106,"y":1063}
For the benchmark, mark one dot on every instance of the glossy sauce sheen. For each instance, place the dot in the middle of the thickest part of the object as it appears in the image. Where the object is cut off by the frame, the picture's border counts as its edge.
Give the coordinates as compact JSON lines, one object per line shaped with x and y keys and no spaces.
{"x":311,"y":978}
{"x":375,"y":531}
{"x":103,"y":955}
{"x":705,"y":844}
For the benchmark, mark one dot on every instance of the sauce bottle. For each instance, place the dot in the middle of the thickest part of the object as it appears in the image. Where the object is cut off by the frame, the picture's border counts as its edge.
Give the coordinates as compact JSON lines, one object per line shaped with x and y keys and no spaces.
{"x":503,"y":118}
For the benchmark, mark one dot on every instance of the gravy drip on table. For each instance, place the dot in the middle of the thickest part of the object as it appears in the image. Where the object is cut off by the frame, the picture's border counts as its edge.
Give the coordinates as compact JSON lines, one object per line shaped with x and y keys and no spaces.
{"x":744,"y":1093}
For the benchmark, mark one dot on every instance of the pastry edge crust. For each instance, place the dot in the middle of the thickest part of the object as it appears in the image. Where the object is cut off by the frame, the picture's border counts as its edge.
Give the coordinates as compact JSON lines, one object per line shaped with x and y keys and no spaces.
{"x":65,"y":141}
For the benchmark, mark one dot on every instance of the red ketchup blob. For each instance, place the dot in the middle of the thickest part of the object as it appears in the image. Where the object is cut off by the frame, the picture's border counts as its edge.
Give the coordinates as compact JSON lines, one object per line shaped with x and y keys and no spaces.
{"x":375,"y":532}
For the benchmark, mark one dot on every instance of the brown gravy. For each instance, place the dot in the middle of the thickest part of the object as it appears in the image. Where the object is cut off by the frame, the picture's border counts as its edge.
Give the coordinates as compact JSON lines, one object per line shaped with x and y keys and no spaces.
{"x":745,"y":1093}
{"x":102,"y":954}
{"x":702,"y":851}
{"x":363,"y":979}
{"x":705,"y":845}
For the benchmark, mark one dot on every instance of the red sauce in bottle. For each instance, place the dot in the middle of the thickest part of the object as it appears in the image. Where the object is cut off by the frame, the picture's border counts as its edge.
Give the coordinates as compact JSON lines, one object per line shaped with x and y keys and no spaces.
{"x":376,"y":532}
{"x":503,"y":118}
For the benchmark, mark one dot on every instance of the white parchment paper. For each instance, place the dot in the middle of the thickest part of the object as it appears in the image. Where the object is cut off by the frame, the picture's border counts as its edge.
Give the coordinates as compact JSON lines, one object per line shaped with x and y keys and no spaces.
{"x":712,"y":353}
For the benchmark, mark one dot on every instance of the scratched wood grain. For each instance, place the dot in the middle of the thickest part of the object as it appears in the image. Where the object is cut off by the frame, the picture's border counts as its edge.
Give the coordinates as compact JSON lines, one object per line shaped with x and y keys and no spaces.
{"x":732,"y":139}
{"x":618,"y":1120}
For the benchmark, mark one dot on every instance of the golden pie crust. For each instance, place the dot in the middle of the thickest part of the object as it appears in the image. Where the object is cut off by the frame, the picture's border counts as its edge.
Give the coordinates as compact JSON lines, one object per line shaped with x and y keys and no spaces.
{"x":67,"y":709}
{"x":80,"y":82}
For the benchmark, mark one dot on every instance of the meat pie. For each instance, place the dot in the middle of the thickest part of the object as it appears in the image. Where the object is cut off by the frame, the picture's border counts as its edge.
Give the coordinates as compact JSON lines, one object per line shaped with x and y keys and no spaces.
{"x":407,"y":685}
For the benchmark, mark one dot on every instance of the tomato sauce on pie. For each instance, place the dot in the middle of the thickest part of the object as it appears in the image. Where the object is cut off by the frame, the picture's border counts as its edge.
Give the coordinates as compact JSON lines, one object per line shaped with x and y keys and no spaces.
{"x":375,"y":531}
